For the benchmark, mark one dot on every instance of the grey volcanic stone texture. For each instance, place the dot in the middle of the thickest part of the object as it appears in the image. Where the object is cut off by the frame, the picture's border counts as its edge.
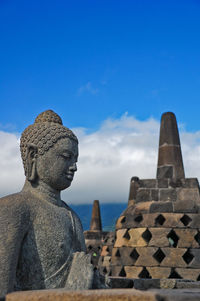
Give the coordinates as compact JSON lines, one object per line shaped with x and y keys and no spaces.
{"x":39,"y":233}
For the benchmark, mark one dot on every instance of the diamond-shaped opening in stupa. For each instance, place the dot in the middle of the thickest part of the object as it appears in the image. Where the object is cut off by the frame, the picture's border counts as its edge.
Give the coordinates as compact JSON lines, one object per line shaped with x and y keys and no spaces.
{"x":197,"y":238}
{"x":122,"y":273}
{"x":123,"y":219}
{"x":188,"y":256}
{"x":185,"y":219}
{"x":174,"y":274}
{"x":159,"y":255}
{"x":134,"y":255}
{"x":147,"y":235}
{"x":160,"y":220}
{"x":144,"y":274}
{"x":117,"y":254}
{"x":126,"y":235}
{"x":173,"y":238}
{"x":138,"y":218}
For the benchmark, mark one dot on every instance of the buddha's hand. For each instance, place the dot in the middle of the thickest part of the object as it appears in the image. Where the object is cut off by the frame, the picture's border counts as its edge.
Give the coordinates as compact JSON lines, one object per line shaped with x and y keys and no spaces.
{"x":81,"y":273}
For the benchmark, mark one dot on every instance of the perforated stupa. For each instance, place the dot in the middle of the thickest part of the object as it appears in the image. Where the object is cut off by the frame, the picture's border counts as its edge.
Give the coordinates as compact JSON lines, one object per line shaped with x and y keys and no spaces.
{"x":158,"y":235}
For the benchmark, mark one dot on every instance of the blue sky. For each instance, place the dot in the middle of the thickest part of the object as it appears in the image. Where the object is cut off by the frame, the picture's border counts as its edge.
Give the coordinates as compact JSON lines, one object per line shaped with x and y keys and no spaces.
{"x":109,"y":68}
{"x":90,"y":60}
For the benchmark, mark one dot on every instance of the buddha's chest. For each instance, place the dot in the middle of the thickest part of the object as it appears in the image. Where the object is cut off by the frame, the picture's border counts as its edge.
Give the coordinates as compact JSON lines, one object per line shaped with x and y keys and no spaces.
{"x":50,"y":238}
{"x":47,"y":246}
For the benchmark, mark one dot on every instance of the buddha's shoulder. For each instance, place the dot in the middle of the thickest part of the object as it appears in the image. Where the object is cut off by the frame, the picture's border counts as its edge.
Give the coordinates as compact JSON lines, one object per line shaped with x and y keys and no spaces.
{"x":15,"y":200}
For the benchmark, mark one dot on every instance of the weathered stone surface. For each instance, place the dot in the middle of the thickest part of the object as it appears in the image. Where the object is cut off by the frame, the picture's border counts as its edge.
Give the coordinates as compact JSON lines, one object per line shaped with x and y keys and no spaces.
{"x":175,"y":183}
{"x":161,"y":207}
{"x":130,"y":238}
{"x":129,"y":255}
{"x":107,"y":295}
{"x":120,"y":282}
{"x":117,"y":270}
{"x":169,"y":148}
{"x":96,"y":217}
{"x":106,"y":261}
{"x":187,"y":206}
{"x":136,"y":239}
{"x":173,"y":257}
{"x":173,"y":219}
{"x":93,"y":235}
{"x":100,"y":295}
{"x":154,"y":195}
{"x":186,"y":238}
{"x":164,"y":172}
{"x":143,"y":195}
{"x":168,"y":283}
{"x":145,"y":284}
{"x":195,"y":223}
{"x":82,"y":268}
{"x":159,"y":272}
{"x":195,"y":262}
{"x":132,"y":271}
{"x":185,"y":194}
{"x":190,"y":183}
{"x":191,"y":274}
{"x":116,"y":257}
{"x":168,"y":157}
{"x":134,"y":186}
{"x":120,"y":239}
{"x":148,"y":183}
{"x":120,"y":222}
{"x":159,"y":237}
{"x":143,"y":207}
{"x":187,"y":284}
{"x":146,"y":257}
{"x":168,"y":194}
{"x":163,"y":183}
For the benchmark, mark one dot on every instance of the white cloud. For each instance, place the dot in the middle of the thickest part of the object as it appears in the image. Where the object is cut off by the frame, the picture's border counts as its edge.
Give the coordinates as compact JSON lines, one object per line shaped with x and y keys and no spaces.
{"x":88,"y":88}
{"x":109,"y":157}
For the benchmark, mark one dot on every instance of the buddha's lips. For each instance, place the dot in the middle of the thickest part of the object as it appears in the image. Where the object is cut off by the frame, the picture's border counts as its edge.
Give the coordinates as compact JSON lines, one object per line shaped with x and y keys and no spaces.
{"x":70,"y":176}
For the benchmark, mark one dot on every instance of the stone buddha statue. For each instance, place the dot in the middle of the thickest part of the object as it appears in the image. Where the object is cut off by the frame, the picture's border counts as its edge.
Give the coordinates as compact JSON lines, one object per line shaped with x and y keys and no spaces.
{"x":41,"y":238}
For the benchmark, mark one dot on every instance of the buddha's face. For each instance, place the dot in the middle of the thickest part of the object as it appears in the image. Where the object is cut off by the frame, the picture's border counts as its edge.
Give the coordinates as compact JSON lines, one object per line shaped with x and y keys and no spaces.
{"x":58,"y":165}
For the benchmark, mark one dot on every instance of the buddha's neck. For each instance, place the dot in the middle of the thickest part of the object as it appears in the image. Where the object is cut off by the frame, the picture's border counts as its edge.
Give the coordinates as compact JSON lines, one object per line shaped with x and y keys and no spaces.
{"x":43,"y":191}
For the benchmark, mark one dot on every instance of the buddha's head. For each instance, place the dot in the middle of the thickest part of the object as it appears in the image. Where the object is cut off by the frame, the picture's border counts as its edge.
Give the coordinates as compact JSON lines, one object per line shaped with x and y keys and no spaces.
{"x":49,"y":151}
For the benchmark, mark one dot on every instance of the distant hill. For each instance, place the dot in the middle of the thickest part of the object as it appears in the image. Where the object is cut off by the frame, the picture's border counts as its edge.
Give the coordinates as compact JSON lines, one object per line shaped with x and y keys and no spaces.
{"x":109,"y":214}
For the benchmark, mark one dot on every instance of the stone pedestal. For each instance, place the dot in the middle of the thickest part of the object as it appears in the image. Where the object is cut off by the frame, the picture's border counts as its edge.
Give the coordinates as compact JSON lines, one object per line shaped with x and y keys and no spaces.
{"x":106,"y":295}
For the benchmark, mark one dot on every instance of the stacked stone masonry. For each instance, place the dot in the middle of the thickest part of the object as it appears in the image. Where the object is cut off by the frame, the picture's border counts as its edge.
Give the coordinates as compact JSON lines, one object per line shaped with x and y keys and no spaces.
{"x":104,"y":263}
{"x":158,"y":235}
{"x":158,"y":241}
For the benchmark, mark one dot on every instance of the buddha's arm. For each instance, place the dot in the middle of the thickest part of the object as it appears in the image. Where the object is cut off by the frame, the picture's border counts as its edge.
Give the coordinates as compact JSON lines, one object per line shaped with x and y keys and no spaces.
{"x":80,"y":240}
{"x":13,"y":226}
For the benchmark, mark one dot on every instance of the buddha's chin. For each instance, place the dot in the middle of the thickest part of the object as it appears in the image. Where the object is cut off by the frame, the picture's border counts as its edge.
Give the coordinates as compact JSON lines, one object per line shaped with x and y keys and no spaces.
{"x":66,"y":184}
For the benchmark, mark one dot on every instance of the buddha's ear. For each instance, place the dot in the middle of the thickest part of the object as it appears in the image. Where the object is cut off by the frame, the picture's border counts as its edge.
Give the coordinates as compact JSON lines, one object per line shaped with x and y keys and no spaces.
{"x":31,"y":158}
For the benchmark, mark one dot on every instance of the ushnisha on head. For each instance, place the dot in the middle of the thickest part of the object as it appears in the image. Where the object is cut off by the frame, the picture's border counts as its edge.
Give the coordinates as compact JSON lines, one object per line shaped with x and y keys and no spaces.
{"x":47,"y":149}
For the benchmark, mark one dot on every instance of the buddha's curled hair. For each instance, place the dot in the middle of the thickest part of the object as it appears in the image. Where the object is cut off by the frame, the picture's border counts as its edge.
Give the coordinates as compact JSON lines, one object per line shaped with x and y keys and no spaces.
{"x":44,"y":133}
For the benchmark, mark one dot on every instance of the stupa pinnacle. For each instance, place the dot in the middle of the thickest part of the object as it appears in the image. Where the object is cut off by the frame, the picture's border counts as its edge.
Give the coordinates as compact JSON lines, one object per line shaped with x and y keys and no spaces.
{"x":170,"y":163}
{"x":96,"y":217}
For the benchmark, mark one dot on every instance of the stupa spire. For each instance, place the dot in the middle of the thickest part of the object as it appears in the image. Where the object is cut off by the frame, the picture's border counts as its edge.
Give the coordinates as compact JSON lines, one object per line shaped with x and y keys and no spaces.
{"x":170,"y":162}
{"x":96,"y":217}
